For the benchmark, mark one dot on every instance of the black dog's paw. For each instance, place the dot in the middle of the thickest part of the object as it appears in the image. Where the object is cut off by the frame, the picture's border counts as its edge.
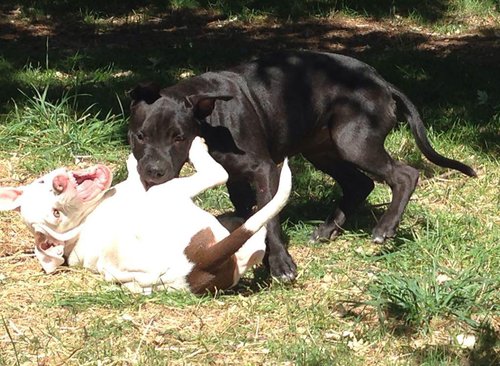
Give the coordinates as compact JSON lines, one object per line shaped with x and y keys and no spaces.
{"x":324,"y":233}
{"x":379,"y":235}
{"x":282,"y":267}
{"x":331,"y":228}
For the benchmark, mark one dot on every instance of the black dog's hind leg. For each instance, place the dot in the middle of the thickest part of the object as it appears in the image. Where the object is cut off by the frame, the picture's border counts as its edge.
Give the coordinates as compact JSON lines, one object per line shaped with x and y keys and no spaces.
{"x":355,"y":185}
{"x":402,"y":179}
{"x":358,"y":135}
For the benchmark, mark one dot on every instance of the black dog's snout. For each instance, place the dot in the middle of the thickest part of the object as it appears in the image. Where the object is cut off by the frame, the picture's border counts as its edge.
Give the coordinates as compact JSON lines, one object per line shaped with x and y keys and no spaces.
{"x":155,"y":171}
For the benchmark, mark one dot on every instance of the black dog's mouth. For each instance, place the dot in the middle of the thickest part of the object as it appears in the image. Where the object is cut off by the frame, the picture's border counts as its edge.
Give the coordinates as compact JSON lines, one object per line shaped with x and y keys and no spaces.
{"x":147,"y":184}
{"x":151,"y":183}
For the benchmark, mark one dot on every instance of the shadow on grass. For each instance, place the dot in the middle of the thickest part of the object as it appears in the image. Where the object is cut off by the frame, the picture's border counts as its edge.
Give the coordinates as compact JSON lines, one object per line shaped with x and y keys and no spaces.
{"x":311,"y":209}
{"x":158,"y":42}
{"x":486,"y":351}
{"x":429,"y":11}
{"x":110,"y":48}
{"x":483,"y":353}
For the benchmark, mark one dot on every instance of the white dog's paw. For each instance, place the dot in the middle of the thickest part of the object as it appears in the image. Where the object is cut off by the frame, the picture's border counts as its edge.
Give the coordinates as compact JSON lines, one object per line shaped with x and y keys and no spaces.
{"x":135,"y":288}
{"x":198,"y":148}
{"x":132,"y":165}
{"x":199,"y":142}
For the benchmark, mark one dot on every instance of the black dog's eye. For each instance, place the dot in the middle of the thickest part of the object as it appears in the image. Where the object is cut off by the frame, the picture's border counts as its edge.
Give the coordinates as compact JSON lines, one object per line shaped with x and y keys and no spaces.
{"x":140,"y":136}
{"x":179,"y":138}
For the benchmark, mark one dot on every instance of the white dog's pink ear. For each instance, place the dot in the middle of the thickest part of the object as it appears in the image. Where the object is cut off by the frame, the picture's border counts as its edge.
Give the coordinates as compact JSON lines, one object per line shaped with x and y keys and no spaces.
{"x":10,"y":198}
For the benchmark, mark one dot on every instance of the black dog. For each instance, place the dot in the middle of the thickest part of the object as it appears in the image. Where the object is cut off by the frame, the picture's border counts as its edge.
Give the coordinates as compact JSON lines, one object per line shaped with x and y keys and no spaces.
{"x":334,"y":110}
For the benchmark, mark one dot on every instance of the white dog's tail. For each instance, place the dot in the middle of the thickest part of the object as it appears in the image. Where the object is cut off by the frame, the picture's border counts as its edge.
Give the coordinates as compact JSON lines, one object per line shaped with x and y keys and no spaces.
{"x":222,"y":250}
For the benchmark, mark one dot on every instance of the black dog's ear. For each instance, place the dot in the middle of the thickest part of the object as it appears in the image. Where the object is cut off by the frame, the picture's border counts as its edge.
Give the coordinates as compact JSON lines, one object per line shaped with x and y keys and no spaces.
{"x":203,"y":105}
{"x":148,"y":92}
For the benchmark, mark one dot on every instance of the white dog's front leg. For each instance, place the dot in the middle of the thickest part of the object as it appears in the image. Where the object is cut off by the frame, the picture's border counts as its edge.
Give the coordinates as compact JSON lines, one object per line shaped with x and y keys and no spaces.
{"x":209,"y":173}
{"x":136,"y":288}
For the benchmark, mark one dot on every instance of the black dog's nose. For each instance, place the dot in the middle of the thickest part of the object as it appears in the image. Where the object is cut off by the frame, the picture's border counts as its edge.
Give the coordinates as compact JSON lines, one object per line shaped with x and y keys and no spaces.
{"x":155,"y":171}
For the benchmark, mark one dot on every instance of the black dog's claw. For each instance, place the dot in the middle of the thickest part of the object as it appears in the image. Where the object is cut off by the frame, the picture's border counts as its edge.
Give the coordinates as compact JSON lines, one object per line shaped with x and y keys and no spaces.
{"x":283,"y":268}
{"x":324,"y":233}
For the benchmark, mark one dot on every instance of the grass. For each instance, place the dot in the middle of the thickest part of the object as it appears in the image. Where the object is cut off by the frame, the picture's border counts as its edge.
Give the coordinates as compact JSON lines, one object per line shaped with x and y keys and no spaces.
{"x":354,"y":303}
{"x":47,"y":134}
{"x":418,"y":299}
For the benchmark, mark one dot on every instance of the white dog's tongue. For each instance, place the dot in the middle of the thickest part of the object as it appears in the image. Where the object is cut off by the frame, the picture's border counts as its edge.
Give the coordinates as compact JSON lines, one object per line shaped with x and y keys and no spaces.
{"x":50,"y":258}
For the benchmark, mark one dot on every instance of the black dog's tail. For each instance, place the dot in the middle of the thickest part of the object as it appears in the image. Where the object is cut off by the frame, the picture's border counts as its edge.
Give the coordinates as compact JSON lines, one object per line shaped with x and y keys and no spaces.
{"x":417,"y":127}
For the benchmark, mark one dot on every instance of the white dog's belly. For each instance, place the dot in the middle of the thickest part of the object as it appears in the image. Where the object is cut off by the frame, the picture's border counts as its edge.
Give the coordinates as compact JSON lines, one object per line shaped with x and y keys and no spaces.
{"x":147,"y":249}
{"x":142,"y":244}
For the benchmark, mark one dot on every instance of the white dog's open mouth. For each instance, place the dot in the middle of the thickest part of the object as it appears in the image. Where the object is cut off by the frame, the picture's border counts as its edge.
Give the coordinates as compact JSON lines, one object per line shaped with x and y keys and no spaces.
{"x":49,"y":252}
{"x":50,"y":245}
{"x":88,"y":183}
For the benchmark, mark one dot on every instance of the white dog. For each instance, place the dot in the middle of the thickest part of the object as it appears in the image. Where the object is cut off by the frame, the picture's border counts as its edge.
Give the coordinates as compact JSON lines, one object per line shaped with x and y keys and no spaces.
{"x":143,"y":240}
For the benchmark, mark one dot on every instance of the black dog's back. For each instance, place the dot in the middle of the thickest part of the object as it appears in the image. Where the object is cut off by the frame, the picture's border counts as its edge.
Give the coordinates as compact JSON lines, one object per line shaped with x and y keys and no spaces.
{"x":295,"y":94}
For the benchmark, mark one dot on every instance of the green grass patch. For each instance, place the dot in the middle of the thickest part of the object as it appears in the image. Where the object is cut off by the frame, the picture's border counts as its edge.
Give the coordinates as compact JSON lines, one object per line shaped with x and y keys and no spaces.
{"x":48,"y":133}
{"x":418,"y":299}
{"x":116,"y":297}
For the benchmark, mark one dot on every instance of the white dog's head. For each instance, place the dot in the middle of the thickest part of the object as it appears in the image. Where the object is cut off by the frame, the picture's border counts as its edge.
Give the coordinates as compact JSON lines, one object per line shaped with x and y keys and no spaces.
{"x":54,"y":206}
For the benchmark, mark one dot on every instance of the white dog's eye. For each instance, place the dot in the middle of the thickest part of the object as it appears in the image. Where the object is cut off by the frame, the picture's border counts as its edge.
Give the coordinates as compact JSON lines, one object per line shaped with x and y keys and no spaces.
{"x":56,"y":213}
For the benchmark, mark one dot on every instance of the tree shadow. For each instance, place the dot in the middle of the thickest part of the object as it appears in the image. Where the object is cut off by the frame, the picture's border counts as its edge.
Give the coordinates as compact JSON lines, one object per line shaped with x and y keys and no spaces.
{"x":294,"y":9}
{"x":485,"y":353}
{"x":442,"y":75}
{"x":297,"y":9}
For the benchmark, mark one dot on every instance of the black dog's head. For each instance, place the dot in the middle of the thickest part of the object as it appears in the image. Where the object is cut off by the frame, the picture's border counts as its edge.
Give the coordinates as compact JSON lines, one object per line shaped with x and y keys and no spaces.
{"x":162,"y":127}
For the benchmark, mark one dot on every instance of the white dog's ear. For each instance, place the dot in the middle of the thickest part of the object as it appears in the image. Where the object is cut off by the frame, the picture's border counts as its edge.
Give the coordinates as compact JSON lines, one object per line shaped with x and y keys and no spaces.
{"x":10,"y":198}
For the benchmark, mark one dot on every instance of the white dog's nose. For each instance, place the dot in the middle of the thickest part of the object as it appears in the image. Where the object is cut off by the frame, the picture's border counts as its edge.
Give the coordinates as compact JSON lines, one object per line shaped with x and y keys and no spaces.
{"x":60,"y":183}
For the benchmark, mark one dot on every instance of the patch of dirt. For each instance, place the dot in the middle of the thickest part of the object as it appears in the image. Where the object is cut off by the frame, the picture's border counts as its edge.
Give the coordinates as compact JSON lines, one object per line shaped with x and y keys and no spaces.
{"x":478,"y":38}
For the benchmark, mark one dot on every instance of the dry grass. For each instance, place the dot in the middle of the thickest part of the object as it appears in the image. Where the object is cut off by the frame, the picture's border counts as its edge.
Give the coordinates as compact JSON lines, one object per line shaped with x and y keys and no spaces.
{"x":73,"y":318}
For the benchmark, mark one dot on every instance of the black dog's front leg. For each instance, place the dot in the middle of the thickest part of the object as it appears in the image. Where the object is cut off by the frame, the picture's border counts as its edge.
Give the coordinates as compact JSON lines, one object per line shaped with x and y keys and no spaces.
{"x":254,"y":180}
{"x":277,"y":259}
{"x":242,"y":196}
